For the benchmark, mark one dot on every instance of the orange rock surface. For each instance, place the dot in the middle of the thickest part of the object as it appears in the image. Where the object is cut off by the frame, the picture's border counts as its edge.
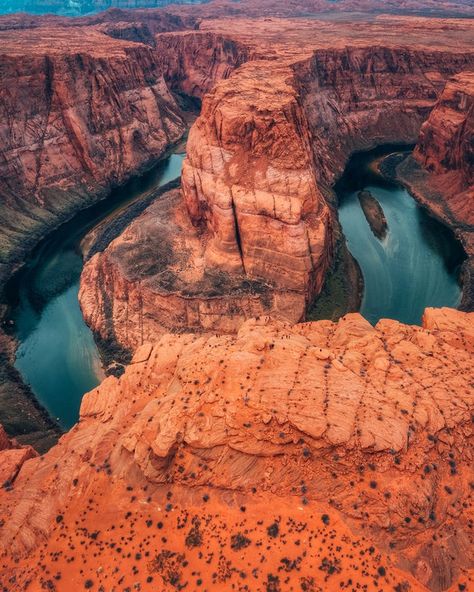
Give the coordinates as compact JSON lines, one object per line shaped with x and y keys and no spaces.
{"x":323,"y":455}
{"x":12,"y":457}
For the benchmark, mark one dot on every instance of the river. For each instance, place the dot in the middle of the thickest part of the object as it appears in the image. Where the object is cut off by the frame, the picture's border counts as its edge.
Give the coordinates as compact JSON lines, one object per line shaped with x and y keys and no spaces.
{"x":57,"y":356}
{"x":415,"y":266}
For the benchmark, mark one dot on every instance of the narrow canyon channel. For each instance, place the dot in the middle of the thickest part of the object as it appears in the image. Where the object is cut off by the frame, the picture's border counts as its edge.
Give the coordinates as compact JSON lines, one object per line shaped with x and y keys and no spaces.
{"x":56,"y":354}
{"x":414,"y":266}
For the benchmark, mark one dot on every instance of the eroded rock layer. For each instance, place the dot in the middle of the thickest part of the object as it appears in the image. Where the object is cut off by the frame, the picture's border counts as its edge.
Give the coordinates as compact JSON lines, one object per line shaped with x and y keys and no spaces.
{"x":316,"y":457}
{"x":79,"y":115}
{"x":441,"y":171}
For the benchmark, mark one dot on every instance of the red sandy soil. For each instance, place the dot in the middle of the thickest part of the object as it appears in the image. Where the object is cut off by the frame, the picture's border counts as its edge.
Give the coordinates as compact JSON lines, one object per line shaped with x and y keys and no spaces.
{"x":355,"y":442}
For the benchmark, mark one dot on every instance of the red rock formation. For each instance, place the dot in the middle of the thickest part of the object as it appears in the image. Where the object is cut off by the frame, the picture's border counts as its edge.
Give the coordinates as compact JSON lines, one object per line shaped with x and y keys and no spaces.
{"x":248,"y":182}
{"x":359,"y":97}
{"x":12,"y":457}
{"x":194,"y":62}
{"x":77,"y":117}
{"x":351,"y":444}
{"x":441,"y":172}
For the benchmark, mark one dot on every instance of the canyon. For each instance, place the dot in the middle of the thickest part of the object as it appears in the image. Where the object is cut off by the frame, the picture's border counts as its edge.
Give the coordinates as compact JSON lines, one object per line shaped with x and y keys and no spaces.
{"x":281,"y":117}
{"x":234,"y":445}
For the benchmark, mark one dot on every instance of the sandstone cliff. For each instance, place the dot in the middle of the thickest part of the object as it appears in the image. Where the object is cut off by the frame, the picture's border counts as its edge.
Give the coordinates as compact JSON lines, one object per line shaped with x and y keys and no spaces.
{"x":320,"y":457}
{"x":78,"y":116}
{"x":358,"y":97}
{"x":441,"y":172}
{"x":445,"y":146}
{"x":193,"y":62}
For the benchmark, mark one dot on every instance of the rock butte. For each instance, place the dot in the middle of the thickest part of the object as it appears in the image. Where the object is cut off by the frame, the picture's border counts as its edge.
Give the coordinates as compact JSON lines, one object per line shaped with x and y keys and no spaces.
{"x":354,"y":442}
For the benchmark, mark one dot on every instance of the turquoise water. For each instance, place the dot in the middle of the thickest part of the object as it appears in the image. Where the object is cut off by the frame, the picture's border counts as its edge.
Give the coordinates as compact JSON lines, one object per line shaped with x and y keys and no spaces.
{"x":415,"y":266}
{"x":57,"y":355}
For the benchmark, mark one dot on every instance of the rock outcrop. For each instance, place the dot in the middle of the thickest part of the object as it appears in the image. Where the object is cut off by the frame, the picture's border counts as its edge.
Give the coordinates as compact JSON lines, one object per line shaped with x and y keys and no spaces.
{"x":12,"y":458}
{"x":441,"y":172}
{"x":321,"y":456}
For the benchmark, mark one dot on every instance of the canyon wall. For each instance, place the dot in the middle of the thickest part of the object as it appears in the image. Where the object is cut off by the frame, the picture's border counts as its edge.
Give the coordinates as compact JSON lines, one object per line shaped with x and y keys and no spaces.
{"x":77,"y":118}
{"x":359,"y":97}
{"x":272,"y":138}
{"x":440,"y":173}
{"x":320,"y":431}
{"x":193,"y":62}
{"x":446,"y":139}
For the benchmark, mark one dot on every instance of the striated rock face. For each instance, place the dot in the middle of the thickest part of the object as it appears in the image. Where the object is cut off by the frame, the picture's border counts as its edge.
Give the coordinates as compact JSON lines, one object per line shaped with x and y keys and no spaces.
{"x":445,"y":146}
{"x":77,"y":117}
{"x":441,"y":171}
{"x":249,"y":183}
{"x":352,"y":441}
{"x":193,"y":62}
{"x":358,"y":97}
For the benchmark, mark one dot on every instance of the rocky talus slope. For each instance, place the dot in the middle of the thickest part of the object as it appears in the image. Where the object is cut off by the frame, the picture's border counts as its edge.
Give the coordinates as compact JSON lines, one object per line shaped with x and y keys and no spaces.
{"x":441,"y":171}
{"x":277,"y":126}
{"x":315,"y":457}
